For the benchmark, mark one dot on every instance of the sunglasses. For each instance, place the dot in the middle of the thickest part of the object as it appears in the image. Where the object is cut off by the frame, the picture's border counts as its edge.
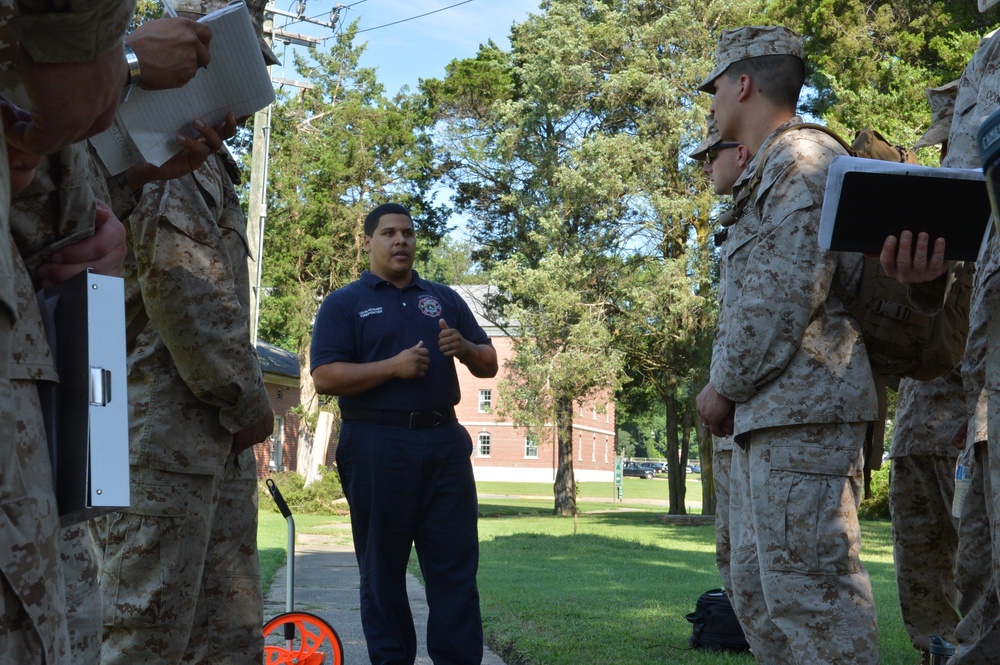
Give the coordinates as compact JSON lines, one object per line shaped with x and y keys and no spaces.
{"x":719,"y":147}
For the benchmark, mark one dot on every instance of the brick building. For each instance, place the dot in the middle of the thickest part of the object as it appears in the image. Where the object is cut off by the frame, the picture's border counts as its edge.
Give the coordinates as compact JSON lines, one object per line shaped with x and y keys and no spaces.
{"x":281,"y":377}
{"x":506,"y":453}
{"x":501,"y":451}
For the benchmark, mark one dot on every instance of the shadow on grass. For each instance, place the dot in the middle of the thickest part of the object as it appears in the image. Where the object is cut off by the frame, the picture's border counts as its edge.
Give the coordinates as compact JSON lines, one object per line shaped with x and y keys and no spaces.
{"x":495,"y":510}
{"x":552,"y":598}
{"x":594,"y":599}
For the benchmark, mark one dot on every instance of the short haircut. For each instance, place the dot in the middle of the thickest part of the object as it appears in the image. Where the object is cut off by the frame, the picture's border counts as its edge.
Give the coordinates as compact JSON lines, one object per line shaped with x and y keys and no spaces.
{"x":371,"y":221}
{"x":778,"y":77}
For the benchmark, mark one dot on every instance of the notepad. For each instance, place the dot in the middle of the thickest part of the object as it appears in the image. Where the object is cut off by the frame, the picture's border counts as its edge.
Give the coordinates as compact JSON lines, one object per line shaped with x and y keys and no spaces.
{"x":867,"y":200}
{"x":236,"y":80}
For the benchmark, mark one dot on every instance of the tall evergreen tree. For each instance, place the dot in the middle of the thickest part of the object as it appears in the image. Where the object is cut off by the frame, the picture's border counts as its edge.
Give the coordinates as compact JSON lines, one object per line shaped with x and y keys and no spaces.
{"x":338,"y":149}
{"x":570,"y":149}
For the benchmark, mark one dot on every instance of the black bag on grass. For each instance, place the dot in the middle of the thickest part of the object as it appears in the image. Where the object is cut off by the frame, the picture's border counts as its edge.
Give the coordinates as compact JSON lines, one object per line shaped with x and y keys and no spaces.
{"x":715,"y":624}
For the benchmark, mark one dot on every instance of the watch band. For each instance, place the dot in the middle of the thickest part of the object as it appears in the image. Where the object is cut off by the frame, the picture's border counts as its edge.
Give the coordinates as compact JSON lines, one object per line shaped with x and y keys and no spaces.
{"x":134,"y":70}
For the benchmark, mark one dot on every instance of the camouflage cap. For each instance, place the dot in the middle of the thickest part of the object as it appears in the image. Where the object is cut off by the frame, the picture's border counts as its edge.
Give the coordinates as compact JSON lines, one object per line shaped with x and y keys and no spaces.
{"x":751,"y":42}
{"x":942,"y":101}
{"x":712,"y":139}
{"x":255,"y":7}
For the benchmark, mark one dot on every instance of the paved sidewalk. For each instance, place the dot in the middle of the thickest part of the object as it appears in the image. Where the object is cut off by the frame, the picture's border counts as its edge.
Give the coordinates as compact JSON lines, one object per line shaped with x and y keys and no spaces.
{"x":326,"y":584}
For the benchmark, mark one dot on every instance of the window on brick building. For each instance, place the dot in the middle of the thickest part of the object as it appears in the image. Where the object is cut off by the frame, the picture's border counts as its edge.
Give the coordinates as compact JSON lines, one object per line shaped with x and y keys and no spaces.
{"x":277,"y":443}
{"x":484,"y":444}
{"x":530,"y":446}
{"x":485,"y":401}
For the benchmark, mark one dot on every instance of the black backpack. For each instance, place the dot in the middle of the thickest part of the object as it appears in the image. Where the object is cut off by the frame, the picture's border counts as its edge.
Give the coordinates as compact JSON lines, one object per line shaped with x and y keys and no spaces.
{"x":715,"y":626}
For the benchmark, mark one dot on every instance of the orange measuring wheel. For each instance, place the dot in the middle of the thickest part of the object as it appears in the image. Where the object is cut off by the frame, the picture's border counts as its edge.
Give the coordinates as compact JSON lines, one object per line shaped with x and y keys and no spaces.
{"x":297,"y":638}
{"x":300,"y":638}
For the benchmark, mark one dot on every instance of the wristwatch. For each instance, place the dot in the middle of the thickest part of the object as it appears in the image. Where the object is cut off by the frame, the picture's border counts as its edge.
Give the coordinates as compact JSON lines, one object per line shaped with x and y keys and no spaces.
{"x":134,"y":70}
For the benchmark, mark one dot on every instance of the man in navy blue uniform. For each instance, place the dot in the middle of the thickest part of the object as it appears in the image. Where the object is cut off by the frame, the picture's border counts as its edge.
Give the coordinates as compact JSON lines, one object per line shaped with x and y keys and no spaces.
{"x":386,"y":345}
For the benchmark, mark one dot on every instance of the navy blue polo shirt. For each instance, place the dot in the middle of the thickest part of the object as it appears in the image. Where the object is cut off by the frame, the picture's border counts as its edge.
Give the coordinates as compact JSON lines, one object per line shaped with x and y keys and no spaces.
{"x":370,"y":319}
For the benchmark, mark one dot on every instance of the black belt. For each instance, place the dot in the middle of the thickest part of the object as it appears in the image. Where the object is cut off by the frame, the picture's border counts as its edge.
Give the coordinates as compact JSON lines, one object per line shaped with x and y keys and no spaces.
{"x":407,"y":419}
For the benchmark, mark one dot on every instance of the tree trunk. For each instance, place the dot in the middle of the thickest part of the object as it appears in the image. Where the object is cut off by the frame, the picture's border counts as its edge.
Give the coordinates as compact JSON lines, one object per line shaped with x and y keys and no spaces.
{"x":565,"y":485}
{"x":309,"y":403}
{"x":675,"y":472}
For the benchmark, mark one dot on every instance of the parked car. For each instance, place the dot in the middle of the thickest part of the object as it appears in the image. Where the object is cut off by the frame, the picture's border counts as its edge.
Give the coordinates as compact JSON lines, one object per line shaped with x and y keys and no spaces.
{"x":633,"y":469}
{"x":657,"y":467}
{"x":693,"y":468}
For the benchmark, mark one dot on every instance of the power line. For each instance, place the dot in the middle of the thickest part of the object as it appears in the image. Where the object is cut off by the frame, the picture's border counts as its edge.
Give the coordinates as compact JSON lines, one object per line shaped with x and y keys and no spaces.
{"x":377,"y":27}
{"x":386,"y":25}
{"x":310,"y":19}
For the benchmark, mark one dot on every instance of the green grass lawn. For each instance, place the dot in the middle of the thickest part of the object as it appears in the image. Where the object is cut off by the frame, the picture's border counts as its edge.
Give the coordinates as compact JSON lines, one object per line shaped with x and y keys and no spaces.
{"x":616,"y":591}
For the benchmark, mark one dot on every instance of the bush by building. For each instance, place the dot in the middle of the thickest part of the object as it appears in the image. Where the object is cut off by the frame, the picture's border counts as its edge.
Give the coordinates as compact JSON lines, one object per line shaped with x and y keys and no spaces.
{"x":323,"y":497}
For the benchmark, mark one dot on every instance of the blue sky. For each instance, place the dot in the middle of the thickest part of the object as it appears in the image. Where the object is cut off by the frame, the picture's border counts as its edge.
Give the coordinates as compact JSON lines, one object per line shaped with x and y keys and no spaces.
{"x":420,"y":48}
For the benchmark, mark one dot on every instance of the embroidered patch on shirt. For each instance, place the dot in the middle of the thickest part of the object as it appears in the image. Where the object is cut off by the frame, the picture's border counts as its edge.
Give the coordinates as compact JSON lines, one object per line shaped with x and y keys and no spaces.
{"x":429,"y":306}
{"x":368,"y":312}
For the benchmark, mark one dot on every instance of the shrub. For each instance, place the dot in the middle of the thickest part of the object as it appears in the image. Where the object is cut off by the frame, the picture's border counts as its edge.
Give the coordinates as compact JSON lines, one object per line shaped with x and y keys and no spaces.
{"x":323,"y":497}
{"x":877,"y":506}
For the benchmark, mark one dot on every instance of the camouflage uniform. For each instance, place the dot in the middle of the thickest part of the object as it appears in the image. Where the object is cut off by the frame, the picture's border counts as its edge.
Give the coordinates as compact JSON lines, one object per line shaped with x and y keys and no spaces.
{"x":977,"y":636}
{"x":34,"y":600}
{"x":722,"y":466}
{"x":978,"y":633}
{"x":921,"y":491}
{"x":804,"y":392}
{"x":793,"y":361}
{"x":180,"y":576}
{"x":57,"y":208}
{"x":722,"y":447}
{"x":925,"y":536}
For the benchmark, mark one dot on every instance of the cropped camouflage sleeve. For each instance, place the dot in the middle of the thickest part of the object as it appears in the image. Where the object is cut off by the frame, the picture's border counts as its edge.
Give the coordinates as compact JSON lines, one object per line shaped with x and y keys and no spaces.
{"x":189,"y":242}
{"x":71,"y":30}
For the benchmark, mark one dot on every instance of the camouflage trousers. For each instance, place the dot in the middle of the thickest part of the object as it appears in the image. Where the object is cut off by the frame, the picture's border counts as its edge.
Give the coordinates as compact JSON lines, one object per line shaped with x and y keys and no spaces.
{"x":32,"y":590}
{"x":972,"y":578}
{"x":722,"y":461}
{"x":75,"y":606}
{"x":180,"y":577}
{"x":799,"y":588}
{"x":925,"y":545}
{"x":977,"y":636}
{"x":978,"y":633}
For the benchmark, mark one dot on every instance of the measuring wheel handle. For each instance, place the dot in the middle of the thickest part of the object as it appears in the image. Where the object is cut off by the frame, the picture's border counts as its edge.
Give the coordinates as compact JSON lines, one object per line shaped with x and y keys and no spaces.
{"x":278,"y":499}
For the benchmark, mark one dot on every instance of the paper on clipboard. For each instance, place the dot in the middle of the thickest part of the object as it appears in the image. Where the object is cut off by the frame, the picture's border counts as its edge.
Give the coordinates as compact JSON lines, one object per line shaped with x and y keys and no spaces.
{"x":867,"y":200}
{"x":236,"y":80}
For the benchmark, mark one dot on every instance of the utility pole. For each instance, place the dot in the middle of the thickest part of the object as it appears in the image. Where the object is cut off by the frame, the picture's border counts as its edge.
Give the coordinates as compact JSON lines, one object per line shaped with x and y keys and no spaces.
{"x":257,"y":210}
{"x":257,"y":204}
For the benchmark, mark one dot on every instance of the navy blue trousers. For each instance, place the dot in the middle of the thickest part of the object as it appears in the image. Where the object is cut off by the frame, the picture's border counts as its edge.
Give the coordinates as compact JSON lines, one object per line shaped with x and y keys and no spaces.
{"x":405,"y":488}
